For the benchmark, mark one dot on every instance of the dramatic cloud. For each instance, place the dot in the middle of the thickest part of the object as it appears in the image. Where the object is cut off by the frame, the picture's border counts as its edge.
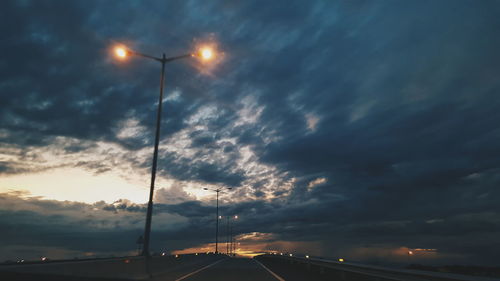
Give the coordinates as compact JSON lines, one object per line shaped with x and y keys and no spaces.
{"x":353,"y":128}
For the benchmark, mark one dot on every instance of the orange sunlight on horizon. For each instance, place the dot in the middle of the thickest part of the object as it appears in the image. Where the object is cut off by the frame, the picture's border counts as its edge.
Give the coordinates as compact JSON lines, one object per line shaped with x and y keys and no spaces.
{"x":73,"y":184}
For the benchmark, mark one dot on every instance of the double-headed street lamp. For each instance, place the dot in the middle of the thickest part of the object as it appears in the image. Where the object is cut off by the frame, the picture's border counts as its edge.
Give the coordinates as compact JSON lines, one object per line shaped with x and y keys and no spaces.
{"x":122,"y":52}
{"x":217,"y":218}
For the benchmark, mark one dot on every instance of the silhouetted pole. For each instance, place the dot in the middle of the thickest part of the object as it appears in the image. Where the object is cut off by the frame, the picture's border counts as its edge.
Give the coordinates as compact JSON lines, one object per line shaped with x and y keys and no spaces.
{"x":217,"y":224}
{"x":123,"y":52}
{"x":230,"y":239}
{"x":233,"y":243}
{"x":149,"y":213}
{"x":228,"y":235}
{"x":217,"y":217}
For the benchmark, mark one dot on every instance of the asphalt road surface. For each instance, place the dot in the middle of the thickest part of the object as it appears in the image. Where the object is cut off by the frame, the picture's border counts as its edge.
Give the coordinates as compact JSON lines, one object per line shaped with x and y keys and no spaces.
{"x":294,"y":272}
{"x":233,"y":269}
{"x":220,"y":268}
{"x":164,"y":269}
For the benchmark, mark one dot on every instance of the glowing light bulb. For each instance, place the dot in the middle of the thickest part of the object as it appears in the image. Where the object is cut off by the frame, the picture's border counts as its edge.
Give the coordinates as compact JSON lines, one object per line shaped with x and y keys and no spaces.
{"x":120,"y":52}
{"x":207,"y":53}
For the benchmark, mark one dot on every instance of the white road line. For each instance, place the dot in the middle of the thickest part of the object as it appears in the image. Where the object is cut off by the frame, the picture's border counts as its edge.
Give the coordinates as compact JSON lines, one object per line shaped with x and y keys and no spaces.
{"x":194,"y":272}
{"x":274,"y":274}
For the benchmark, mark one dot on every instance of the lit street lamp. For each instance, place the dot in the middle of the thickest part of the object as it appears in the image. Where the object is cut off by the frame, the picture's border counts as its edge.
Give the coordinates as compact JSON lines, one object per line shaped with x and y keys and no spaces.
{"x":232,"y":244}
{"x":122,"y":53}
{"x":217,"y":190}
{"x":228,"y":235}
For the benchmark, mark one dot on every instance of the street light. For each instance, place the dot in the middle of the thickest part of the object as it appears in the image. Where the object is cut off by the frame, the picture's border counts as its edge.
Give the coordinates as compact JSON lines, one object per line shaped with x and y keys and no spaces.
{"x":229,"y":234}
{"x":206,"y":53}
{"x":232,"y":237}
{"x":410,"y":253}
{"x":217,"y":217}
{"x":123,"y":52}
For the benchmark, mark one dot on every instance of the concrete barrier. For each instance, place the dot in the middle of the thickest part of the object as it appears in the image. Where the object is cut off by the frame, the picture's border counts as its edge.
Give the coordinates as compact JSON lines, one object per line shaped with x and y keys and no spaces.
{"x":348,"y":271}
{"x":132,"y":268}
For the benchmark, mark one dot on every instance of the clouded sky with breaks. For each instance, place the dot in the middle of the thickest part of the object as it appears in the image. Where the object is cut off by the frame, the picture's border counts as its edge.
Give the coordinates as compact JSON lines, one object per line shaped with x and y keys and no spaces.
{"x":345,"y":128}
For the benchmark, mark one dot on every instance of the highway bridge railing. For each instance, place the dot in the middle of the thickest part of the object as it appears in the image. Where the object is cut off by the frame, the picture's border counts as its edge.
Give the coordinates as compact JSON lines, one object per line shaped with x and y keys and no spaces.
{"x":346,"y":271}
{"x":129,"y":268}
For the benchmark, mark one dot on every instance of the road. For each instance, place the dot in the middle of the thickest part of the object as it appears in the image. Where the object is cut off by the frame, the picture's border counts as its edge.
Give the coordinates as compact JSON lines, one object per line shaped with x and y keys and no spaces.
{"x":214,"y":267}
{"x":169,"y":268}
{"x":182,"y":268}
{"x":232,"y":269}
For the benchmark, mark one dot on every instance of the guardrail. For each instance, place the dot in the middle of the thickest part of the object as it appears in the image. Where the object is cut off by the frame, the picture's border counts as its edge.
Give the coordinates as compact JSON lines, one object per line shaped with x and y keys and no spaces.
{"x":131,"y":268}
{"x":348,"y":271}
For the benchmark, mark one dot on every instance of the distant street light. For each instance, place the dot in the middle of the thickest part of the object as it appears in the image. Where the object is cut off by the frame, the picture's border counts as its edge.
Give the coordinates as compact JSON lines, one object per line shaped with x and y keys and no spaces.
{"x":410,"y":253}
{"x":123,"y":52}
{"x":229,"y":234}
{"x":232,"y":247}
{"x":217,"y":218}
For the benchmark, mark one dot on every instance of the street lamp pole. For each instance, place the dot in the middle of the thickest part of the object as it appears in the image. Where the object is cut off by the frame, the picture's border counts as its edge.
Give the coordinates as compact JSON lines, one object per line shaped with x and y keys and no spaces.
{"x":149,"y":213}
{"x":217,"y":223}
{"x":232,"y":245}
{"x":227,"y":235}
{"x":217,"y":218}
{"x":231,"y":240}
{"x":123,"y":52}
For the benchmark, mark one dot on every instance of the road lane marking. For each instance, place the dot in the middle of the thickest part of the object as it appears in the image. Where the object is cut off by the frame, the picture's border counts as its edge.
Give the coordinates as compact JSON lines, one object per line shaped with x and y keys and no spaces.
{"x":268,"y":270}
{"x":196,"y":271}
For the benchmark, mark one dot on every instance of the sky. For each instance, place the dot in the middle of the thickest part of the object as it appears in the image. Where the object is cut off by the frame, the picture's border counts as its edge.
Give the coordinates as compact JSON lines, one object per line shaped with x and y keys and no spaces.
{"x":355,"y":129}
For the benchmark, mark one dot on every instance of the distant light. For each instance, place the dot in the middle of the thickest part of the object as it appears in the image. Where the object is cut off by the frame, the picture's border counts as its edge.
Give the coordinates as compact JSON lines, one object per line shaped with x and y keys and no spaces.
{"x":410,"y":252}
{"x":127,"y":261}
{"x":121,"y":52}
{"x":291,"y":255}
{"x":163,"y":254}
{"x":341,"y":260}
{"x":44,"y":259}
{"x":220,"y":217}
{"x":307,"y":257}
{"x":236,"y":217}
{"x":196,"y":254}
{"x":281,"y":253}
{"x":176,"y":256}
